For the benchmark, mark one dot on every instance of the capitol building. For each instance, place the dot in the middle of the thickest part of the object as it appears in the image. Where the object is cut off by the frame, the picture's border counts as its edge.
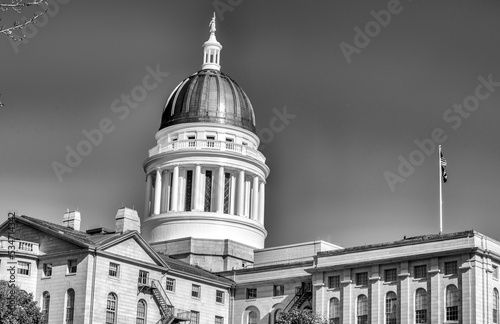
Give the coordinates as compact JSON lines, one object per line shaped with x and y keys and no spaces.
{"x":197,"y":252}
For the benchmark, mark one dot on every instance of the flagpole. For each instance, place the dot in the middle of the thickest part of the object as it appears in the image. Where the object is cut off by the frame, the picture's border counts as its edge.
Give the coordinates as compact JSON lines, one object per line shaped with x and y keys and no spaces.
{"x":440,"y":192}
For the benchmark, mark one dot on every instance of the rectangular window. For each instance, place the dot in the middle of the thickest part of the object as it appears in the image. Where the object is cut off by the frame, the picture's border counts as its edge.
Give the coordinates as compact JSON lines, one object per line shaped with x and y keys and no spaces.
{"x":47,"y":269}
{"x":251,"y":293}
{"x":23,"y":268}
{"x":495,"y":272}
{"x":420,"y":272}
{"x":72,"y":265}
{"x":208,"y":191}
{"x":219,"y":320}
{"x":143,"y":277}
{"x":196,"y":291}
{"x":362,"y":278}
{"x":227,"y":183}
{"x":450,"y":268}
{"x":334,"y":282}
{"x":390,"y":275}
{"x":278,"y":290}
{"x":210,"y":141}
{"x":189,"y":190}
{"x":192,"y":141}
{"x":219,"y":296}
{"x":195,"y":317}
{"x":170,"y":285}
{"x":229,"y":144}
{"x":113,"y":269}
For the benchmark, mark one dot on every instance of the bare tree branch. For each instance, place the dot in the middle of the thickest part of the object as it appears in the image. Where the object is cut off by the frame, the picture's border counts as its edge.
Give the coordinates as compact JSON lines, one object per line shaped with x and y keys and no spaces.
{"x":18,"y":25}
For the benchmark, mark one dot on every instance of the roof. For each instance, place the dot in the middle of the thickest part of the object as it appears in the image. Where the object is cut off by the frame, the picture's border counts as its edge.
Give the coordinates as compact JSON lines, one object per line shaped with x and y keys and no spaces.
{"x":209,"y":96}
{"x":404,"y":242}
{"x":182,"y":266}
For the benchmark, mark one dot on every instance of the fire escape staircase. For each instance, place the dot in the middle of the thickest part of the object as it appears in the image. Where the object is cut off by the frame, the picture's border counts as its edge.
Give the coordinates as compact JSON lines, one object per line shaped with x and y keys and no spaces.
{"x":302,"y":295}
{"x":163,"y":302}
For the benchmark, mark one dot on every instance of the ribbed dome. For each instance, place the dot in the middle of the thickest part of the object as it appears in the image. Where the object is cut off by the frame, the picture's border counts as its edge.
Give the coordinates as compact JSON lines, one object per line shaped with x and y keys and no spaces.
{"x":209,"y":96}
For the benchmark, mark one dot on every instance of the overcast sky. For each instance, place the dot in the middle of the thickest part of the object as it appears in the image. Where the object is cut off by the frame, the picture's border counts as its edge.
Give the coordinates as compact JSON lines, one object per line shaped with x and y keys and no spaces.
{"x":365,"y":80}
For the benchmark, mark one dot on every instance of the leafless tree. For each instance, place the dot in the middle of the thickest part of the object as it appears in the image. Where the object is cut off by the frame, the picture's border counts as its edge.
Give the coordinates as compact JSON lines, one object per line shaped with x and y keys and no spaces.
{"x":17,"y":6}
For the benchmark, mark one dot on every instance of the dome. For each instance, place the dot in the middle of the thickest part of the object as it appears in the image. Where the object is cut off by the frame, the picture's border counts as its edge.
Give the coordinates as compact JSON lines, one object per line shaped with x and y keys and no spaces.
{"x":209,"y":96}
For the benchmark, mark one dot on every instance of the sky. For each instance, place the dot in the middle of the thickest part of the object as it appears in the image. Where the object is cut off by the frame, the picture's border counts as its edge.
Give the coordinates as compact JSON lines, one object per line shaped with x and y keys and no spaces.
{"x":369,"y":88}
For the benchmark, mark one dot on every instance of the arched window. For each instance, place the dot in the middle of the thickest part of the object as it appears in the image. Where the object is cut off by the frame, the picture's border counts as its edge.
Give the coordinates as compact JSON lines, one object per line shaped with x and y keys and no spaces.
{"x":451,"y":303}
{"x":252,"y":317}
{"x":391,"y":301}
{"x":362,"y":309}
{"x":111,"y":307}
{"x":46,"y":304}
{"x":421,"y":306}
{"x":334,"y":311}
{"x":277,"y":314}
{"x":141,"y":312}
{"x":70,"y":306}
{"x":495,"y":305}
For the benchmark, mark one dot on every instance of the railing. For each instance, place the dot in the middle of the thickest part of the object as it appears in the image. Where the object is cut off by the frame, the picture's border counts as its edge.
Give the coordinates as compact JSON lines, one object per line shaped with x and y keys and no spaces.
{"x":301,"y":294}
{"x":203,"y":144}
{"x":19,"y":246}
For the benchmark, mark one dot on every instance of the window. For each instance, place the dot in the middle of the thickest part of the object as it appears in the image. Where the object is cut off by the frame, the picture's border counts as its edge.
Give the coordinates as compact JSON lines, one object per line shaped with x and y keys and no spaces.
{"x":362,"y":310}
{"x":219,"y":296}
{"x":47,"y":269}
{"x":253,"y":318}
{"x":495,"y":305}
{"x":334,"y":311}
{"x":219,"y":320}
{"x":46,"y":305}
{"x":278,"y":290}
{"x":390,"y":275}
{"x":72,"y":264}
{"x":196,"y":291}
{"x":420,"y":271}
{"x":391,"y":301}
{"x":334,"y":282}
{"x":170,"y":285}
{"x":208,"y":190}
{"x":143,"y":277}
{"x":495,"y":272}
{"x":451,"y":303}
{"x":450,"y":268}
{"x":251,"y":293}
{"x":227,"y":183}
{"x":362,"y":278}
{"x":114,"y":269}
{"x":277,"y":314}
{"x":420,"y":306}
{"x":189,"y":190}
{"x":229,"y":144}
{"x":191,"y":140}
{"x":70,"y":306}
{"x":111,"y":307}
{"x":210,"y":141}
{"x":23,"y":268}
{"x":195,"y":317}
{"x":141,"y":312}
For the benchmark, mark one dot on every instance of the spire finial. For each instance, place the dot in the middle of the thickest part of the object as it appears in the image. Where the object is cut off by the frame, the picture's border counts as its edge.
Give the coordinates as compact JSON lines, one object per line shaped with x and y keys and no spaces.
{"x":211,"y":49}
{"x":212,"y":25}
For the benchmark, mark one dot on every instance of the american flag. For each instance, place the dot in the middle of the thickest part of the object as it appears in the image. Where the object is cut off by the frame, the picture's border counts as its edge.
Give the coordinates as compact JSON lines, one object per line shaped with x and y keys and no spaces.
{"x":443,"y":168}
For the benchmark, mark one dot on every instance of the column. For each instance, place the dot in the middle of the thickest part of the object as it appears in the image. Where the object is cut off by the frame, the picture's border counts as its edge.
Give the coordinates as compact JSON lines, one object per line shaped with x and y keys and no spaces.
{"x":157,"y":192}
{"x":255,"y":198}
{"x":175,"y":188}
{"x":348,"y":303}
{"x":197,"y":189}
{"x":240,"y":193}
{"x":262,"y":198}
{"x":149,"y":181}
{"x":436,"y":295}
{"x":220,"y":190}
{"x":164,"y":191}
{"x":405,"y":295}
{"x":377,"y":301}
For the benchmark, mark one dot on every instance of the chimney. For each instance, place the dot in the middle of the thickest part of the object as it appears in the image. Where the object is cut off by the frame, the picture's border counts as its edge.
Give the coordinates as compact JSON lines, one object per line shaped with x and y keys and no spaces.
{"x":127,"y":220}
{"x":72,"y":219}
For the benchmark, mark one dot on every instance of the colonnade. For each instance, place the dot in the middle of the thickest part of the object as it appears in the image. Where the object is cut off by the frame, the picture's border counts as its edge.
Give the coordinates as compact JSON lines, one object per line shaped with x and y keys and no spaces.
{"x":196,"y":188}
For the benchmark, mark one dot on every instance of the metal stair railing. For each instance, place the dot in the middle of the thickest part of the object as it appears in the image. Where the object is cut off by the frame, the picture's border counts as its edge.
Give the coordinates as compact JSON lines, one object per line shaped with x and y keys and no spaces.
{"x":161,"y":298}
{"x":303,"y":293}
